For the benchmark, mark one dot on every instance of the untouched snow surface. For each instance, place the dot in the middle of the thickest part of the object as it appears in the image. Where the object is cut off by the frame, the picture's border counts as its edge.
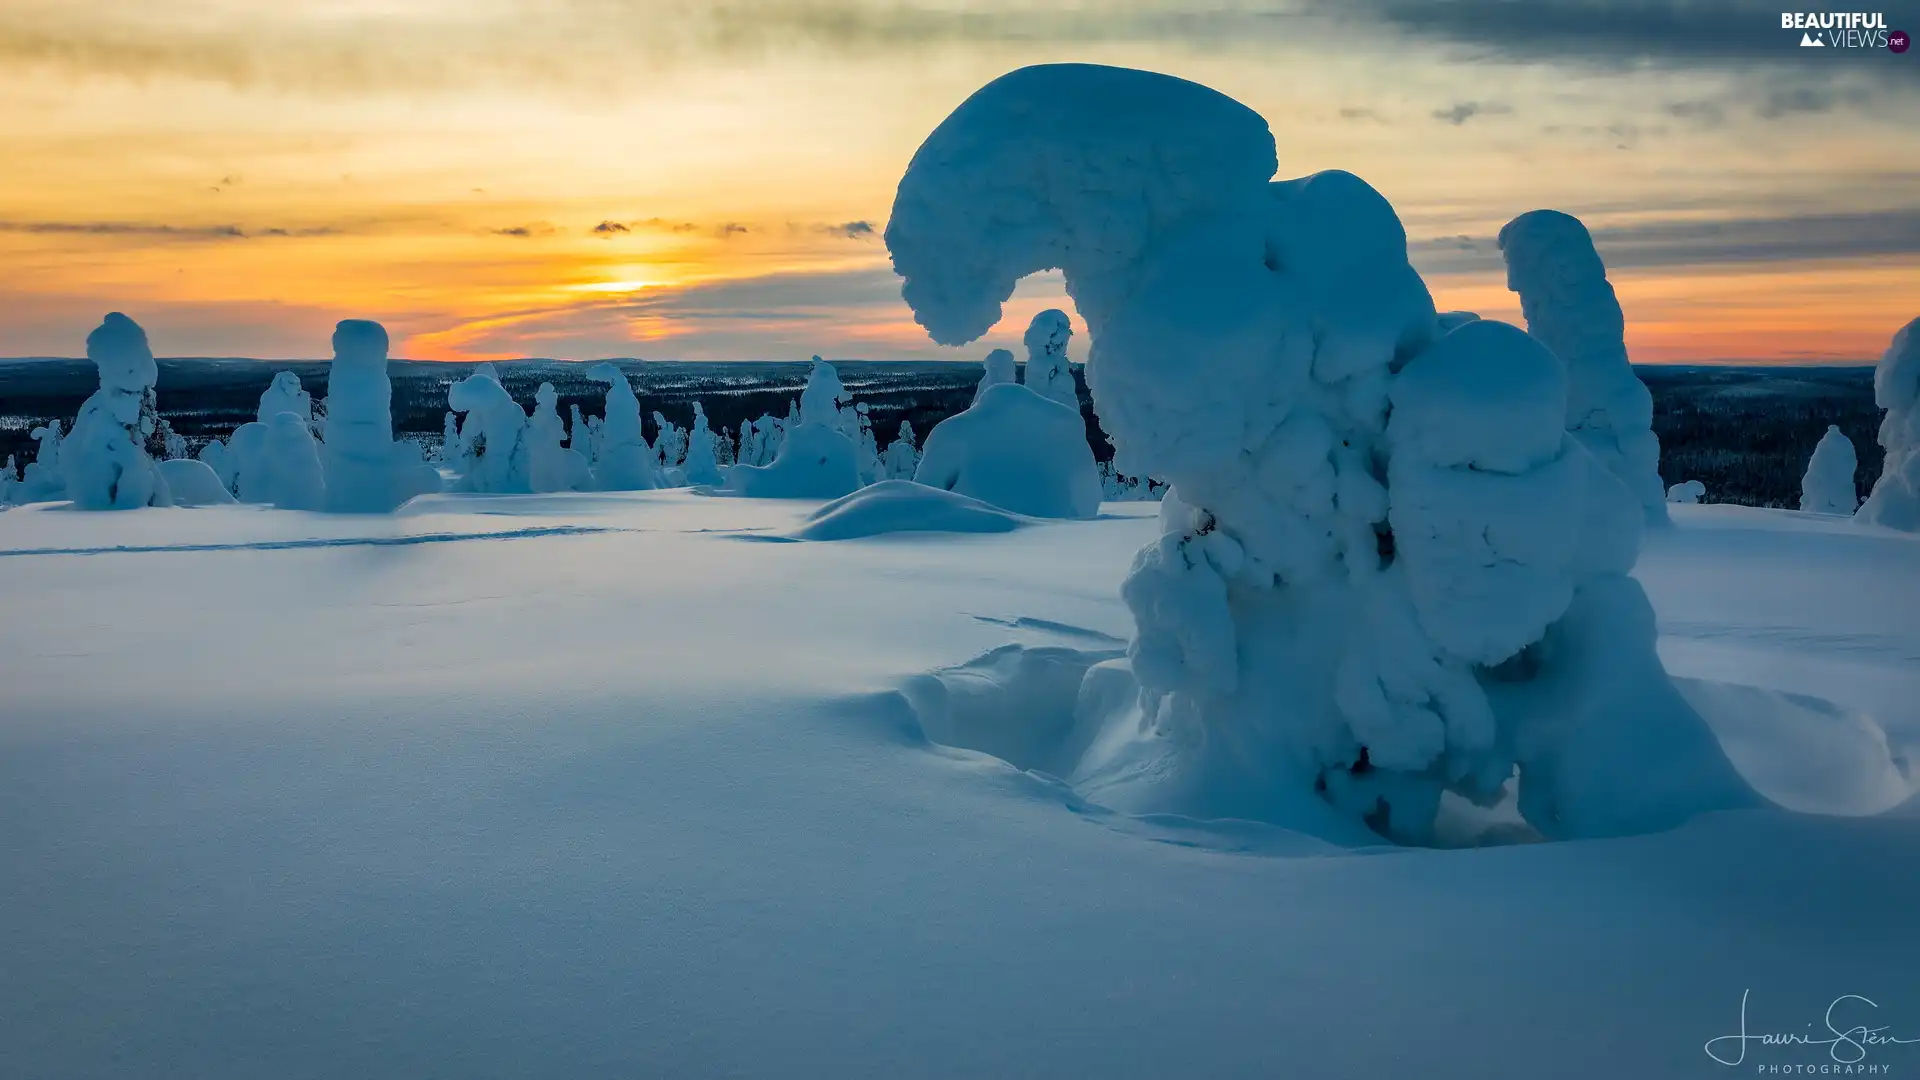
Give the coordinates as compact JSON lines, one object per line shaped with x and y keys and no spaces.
{"x":598,"y":785}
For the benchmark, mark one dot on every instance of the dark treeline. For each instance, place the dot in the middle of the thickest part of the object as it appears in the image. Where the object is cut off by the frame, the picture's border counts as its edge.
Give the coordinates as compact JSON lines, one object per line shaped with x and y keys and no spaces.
{"x":1745,"y":433}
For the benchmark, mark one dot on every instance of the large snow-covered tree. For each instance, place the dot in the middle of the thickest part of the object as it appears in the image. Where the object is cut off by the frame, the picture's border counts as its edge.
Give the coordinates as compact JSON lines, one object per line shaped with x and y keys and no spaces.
{"x":1387,"y":569}
{"x":1895,"y":501}
{"x":367,"y":471}
{"x":625,"y":460}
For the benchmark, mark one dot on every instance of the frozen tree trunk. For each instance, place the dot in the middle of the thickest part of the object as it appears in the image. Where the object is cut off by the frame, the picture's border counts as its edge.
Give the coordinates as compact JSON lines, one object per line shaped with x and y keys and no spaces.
{"x":1048,"y":373}
{"x":104,"y":461}
{"x":1387,"y":570}
{"x":1571,"y":307}
{"x":1827,"y":487}
{"x":1895,"y":502}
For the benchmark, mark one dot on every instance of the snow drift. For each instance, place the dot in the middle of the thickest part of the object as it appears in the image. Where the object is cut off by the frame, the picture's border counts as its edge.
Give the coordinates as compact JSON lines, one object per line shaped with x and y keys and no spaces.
{"x":894,"y":506}
{"x":1387,"y":571}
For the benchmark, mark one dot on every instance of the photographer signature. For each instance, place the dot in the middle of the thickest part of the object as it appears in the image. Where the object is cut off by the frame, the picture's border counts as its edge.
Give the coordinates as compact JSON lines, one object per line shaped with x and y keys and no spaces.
{"x":1848,"y":1045}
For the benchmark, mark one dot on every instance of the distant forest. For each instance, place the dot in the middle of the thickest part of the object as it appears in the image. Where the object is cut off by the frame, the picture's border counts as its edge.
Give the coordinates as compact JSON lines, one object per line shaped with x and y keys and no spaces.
{"x":1745,"y":433}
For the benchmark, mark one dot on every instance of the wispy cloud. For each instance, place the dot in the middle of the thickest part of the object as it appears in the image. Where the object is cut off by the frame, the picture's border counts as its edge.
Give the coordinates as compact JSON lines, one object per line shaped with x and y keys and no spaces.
{"x":1674,"y":245}
{"x":1461,"y":112}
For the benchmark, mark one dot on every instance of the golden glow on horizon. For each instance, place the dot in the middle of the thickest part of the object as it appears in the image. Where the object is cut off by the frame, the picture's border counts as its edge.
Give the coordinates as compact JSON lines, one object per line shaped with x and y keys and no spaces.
{"x":502,"y":178}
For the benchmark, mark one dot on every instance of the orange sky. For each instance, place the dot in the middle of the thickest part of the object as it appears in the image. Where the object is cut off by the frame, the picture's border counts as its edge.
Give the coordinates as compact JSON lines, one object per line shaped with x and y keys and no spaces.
{"x":238,"y":176}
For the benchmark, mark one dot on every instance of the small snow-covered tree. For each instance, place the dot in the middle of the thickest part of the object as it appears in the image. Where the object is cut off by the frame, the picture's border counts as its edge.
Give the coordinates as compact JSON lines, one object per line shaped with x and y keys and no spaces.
{"x":872,"y":471}
{"x":702,"y":465}
{"x":297,"y":479}
{"x":284,"y":394}
{"x":1387,"y":570}
{"x":1570,"y":306}
{"x":580,"y":437}
{"x":903,"y":454}
{"x":1048,"y":373}
{"x":43,"y":479}
{"x":551,"y":466}
{"x":817,"y":457}
{"x":669,"y":443}
{"x":10,"y":483}
{"x":104,"y":460}
{"x":1827,"y":487}
{"x":1687,"y":493}
{"x":496,"y":453}
{"x":996,"y":370}
{"x":1015,"y":450}
{"x":449,"y":439}
{"x":625,"y":461}
{"x":1895,"y":501}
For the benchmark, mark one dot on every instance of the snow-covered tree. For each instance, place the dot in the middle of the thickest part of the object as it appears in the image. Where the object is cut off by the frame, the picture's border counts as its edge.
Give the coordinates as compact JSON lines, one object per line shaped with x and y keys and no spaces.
{"x":11,"y":486}
{"x":284,"y":394}
{"x":43,"y":480}
{"x":1048,"y":373}
{"x":449,"y":439}
{"x":996,"y":370}
{"x":173,"y":445}
{"x":580,"y":437}
{"x":367,"y":471}
{"x":297,"y":479}
{"x":1571,"y":307}
{"x":903,"y":454}
{"x":669,"y":444}
{"x":872,"y":470}
{"x":493,"y":436}
{"x":1387,"y":570}
{"x":1828,"y":486}
{"x":1895,"y":501}
{"x":625,"y":461}
{"x":551,"y":466}
{"x":1686,"y":493}
{"x":1015,"y":450}
{"x":702,"y":465}
{"x":104,"y":460}
{"x":817,"y":458}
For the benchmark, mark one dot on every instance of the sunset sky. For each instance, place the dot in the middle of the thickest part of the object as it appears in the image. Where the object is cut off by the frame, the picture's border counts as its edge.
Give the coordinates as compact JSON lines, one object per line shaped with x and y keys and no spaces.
{"x":675,"y":179}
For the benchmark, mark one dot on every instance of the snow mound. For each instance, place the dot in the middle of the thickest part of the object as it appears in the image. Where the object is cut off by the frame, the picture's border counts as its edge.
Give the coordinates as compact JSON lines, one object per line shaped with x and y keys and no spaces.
{"x":1895,"y":501}
{"x":1686,"y":493}
{"x":893,"y":506}
{"x":1570,"y":306}
{"x":194,"y":483}
{"x":1387,"y":572}
{"x":1804,"y":753}
{"x":1017,"y":703}
{"x":1018,"y":451}
{"x":1827,"y":487}
{"x":815,"y":462}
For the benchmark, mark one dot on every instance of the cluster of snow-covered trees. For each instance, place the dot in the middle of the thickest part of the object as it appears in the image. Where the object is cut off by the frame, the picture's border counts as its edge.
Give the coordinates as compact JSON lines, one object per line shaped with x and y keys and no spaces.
{"x":1022,"y":448}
